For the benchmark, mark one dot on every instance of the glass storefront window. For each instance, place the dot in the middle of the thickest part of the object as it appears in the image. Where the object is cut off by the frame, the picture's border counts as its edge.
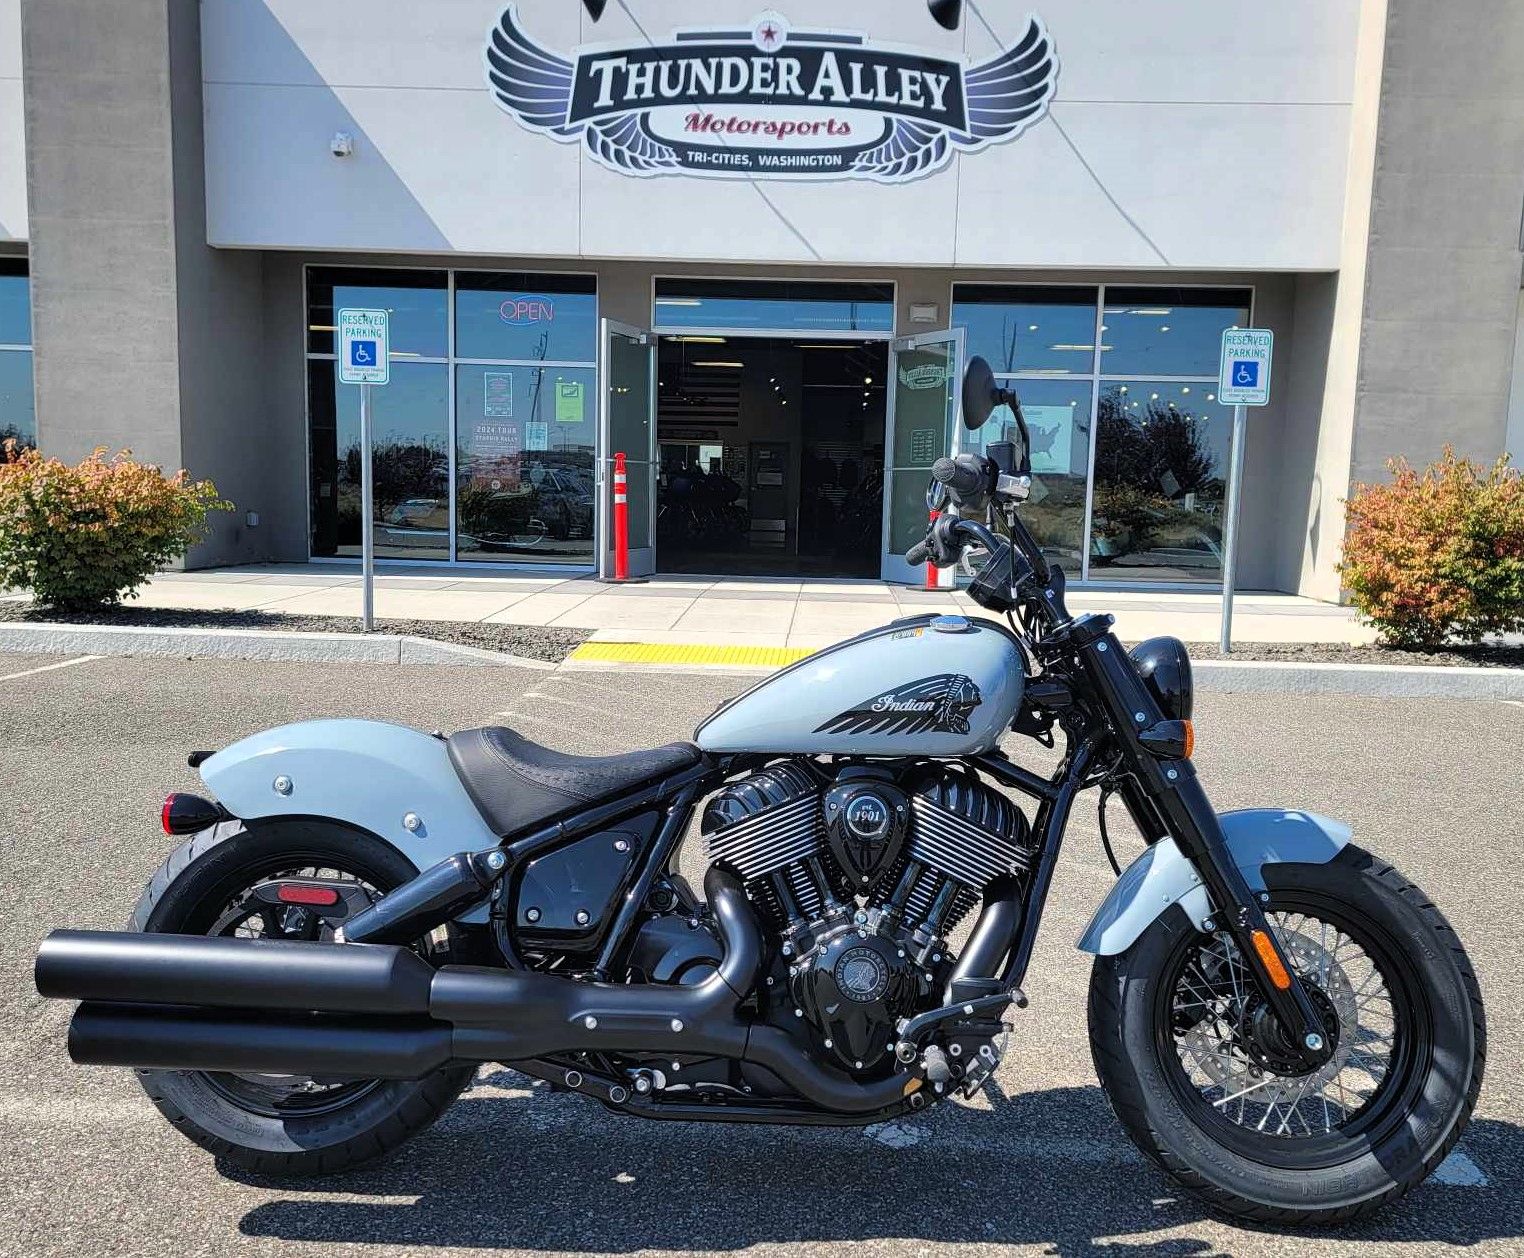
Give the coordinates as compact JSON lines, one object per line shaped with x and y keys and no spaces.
{"x":18,"y":412}
{"x":1168,"y":331}
{"x":411,"y":461}
{"x":1058,"y":417}
{"x":523,"y":435}
{"x":416,"y":300}
{"x":1046,"y":330}
{"x":525,"y":438}
{"x":18,"y":415}
{"x":802,"y":306}
{"x":541,"y":318}
{"x":15,"y":303}
{"x":1161,"y":467}
{"x":1161,"y":441}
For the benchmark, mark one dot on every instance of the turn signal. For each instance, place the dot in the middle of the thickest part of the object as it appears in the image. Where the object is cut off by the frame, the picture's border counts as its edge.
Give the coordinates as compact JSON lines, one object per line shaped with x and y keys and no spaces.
{"x":1271,"y":959}
{"x":1169,"y":740}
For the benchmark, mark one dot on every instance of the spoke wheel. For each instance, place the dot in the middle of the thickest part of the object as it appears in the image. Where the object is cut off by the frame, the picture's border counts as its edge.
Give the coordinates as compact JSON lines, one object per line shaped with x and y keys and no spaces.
{"x":1230,"y":1050}
{"x":1203,"y":1080}
{"x":247,"y":917}
{"x":286,"y":1124}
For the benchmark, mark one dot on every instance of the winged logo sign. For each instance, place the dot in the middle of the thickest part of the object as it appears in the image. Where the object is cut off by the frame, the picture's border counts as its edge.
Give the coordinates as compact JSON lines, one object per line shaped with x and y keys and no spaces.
{"x":770,"y":101}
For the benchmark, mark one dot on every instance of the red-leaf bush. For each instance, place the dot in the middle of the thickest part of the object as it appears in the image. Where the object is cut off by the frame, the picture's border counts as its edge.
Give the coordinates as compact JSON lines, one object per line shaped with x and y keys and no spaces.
{"x":1438,"y":555}
{"x":81,"y":536}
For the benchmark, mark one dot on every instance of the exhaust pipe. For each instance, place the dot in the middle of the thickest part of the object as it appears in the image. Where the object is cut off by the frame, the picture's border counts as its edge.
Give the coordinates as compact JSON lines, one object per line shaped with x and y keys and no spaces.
{"x":151,"y":1037}
{"x":188,"y":1002}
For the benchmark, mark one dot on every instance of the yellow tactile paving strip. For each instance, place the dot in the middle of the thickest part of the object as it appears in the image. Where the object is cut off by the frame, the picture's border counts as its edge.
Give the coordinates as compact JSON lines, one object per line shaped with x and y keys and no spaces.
{"x":686,"y":653}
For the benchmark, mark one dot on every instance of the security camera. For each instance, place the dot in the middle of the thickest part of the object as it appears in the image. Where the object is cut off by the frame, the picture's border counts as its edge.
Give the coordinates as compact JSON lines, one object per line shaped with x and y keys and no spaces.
{"x":342,"y":144}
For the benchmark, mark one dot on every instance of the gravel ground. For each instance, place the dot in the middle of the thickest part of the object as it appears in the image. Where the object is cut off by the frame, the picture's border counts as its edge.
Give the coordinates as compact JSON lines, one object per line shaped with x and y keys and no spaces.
{"x":535,"y":642}
{"x":1343,"y":653}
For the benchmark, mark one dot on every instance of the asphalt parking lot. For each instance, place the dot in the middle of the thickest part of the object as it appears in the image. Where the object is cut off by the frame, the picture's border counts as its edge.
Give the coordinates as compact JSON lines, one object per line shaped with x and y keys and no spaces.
{"x":88,"y":750}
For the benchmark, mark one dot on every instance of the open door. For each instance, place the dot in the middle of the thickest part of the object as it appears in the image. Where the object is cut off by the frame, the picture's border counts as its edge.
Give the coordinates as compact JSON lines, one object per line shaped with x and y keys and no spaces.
{"x":921,"y":425}
{"x":627,"y":425}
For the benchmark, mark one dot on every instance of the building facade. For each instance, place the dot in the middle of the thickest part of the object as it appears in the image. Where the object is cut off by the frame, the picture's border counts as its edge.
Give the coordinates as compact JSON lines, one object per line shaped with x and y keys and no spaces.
{"x":750,"y":249}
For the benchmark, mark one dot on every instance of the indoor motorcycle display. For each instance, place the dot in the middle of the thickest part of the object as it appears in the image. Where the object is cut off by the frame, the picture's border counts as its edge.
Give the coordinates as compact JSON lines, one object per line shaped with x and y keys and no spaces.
{"x":362,"y":914}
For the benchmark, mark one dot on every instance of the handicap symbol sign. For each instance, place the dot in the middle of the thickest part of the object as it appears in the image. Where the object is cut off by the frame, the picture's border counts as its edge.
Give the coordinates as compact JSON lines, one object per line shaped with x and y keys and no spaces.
{"x":362,"y":353}
{"x":1246,"y":374}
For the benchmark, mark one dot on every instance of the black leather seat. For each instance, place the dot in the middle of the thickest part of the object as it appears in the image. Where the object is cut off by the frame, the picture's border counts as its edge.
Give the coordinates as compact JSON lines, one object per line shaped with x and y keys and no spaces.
{"x":517,"y":784}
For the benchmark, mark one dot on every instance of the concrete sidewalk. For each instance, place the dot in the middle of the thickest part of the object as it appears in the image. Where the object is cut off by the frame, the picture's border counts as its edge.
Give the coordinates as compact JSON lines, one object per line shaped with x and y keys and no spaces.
{"x":718,"y":611}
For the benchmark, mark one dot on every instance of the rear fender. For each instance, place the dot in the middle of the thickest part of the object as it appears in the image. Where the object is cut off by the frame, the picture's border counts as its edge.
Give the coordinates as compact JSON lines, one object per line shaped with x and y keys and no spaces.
{"x":1161,"y":876}
{"x":393,"y":782}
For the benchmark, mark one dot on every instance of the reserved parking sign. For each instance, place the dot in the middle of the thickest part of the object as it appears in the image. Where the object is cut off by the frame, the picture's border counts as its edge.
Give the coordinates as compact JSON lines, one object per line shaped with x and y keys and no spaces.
{"x":1243,"y":376}
{"x":363,"y":354}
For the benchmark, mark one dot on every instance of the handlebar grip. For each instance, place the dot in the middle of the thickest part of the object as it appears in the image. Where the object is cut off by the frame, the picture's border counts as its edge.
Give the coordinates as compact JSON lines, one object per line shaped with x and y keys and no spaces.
{"x":918,"y":554}
{"x":962,"y":476}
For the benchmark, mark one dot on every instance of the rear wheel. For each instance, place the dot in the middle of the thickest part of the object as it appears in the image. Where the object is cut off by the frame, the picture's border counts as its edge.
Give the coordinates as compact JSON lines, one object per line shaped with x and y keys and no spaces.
{"x":1197,"y":1070}
{"x":284,"y":1124}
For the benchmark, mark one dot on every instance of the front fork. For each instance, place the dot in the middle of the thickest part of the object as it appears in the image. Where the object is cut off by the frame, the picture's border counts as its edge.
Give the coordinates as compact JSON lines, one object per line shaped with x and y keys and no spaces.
{"x":1166,"y":792}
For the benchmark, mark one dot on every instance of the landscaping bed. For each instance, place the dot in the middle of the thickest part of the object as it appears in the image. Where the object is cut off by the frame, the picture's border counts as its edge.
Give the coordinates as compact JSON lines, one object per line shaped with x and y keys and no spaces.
{"x":1344,"y":653}
{"x":535,"y":642}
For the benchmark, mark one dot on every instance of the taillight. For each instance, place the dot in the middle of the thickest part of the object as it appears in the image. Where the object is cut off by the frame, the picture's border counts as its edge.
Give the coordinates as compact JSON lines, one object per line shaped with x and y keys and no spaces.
{"x":186,"y":814}
{"x":298,"y":893}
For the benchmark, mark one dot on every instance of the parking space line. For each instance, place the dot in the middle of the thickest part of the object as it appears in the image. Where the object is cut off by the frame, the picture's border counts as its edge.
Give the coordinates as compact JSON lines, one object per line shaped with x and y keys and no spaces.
{"x":48,"y":668}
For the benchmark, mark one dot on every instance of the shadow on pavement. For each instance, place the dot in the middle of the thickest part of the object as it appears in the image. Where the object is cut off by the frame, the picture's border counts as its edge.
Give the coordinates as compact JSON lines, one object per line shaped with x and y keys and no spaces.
{"x":551,"y":1172}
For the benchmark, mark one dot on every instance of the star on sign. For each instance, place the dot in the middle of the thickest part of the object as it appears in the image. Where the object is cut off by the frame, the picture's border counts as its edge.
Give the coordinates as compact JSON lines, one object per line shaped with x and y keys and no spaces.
{"x":769,"y":33}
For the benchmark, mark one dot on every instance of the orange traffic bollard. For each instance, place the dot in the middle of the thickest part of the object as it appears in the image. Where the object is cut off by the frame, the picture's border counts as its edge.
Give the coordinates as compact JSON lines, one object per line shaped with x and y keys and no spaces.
{"x":621,"y":522}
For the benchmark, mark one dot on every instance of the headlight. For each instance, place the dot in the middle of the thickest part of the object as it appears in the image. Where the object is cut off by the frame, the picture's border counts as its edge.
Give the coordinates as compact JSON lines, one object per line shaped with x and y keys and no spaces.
{"x":1165,"y":667}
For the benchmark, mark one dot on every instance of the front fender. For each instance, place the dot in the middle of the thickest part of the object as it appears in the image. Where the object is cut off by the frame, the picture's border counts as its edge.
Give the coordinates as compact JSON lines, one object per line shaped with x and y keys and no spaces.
{"x":367,"y":773}
{"x":1161,"y":876}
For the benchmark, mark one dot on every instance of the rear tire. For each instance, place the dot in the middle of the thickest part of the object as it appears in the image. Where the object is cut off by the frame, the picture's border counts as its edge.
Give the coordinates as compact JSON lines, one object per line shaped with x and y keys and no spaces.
{"x":1369,"y":1152}
{"x":186,"y":896}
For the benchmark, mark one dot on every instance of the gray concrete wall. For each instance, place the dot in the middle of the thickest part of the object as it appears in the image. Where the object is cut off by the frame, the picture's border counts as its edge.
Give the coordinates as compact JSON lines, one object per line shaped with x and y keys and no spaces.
{"x":220,"y":330}
{"x":1442,"y":288}
{"x":99,"y":177}
{"x":145,"y":338}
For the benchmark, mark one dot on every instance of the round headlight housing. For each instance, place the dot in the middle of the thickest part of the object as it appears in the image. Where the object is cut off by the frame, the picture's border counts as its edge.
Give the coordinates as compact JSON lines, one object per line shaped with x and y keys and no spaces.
{"x":1165,"y":667}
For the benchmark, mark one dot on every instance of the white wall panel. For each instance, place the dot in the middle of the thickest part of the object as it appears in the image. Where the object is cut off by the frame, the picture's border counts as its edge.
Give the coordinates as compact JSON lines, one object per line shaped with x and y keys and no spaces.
{"x":13,"y":225}
{"x":1202,"y":133}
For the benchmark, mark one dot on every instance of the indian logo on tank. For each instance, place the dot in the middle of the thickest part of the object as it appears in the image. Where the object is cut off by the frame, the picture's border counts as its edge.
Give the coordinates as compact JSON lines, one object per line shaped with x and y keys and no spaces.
{"x":938,"y":704}
{"x":769,"y":101}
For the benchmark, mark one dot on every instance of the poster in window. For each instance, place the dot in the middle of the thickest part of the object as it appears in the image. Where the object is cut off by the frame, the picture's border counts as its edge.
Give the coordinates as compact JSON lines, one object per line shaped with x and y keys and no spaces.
{"x":1052,"y":429}
{"x":497,"y":394}
{"x":537,"y":435}
{"x":569,"y":401}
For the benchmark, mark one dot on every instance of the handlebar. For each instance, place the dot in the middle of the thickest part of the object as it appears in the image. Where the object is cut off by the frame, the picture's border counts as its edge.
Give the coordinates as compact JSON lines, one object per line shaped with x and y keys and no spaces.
{"x":963,"y":476}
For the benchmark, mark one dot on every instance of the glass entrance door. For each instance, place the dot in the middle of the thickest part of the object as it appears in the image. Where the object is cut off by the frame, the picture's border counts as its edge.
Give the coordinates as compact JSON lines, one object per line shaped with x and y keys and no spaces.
{"x":921,"y":427}
{"x":627,"y":425}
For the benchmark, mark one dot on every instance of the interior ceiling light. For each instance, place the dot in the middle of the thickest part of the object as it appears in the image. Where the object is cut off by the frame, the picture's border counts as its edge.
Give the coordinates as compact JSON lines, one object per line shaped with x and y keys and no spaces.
{"x":1150,"y":310}
{"x":699,"y":340}
{"x":678,"y":301}
{"x":832,"y":345}
{"x":714,"y":362}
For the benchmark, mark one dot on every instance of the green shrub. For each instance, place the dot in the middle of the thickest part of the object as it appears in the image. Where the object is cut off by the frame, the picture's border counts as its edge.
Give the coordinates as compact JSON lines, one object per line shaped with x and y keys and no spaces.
{"x":1438,"y":555}
{"x":84,"y":536}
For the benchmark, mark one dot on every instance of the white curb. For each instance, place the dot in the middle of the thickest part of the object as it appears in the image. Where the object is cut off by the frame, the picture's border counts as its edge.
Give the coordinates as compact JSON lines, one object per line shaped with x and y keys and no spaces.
{"x":249,"y":644}
{"x":1382,"y":681}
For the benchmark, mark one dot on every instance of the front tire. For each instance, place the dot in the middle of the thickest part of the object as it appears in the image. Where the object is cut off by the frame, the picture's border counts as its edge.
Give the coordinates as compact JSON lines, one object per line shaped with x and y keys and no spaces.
{"x":1190,"y":1065}
{"x":264,"y":1123}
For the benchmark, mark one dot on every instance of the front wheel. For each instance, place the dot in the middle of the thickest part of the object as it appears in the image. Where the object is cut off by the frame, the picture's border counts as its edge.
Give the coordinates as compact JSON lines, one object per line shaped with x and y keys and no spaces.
{"x":1195,"y":1069}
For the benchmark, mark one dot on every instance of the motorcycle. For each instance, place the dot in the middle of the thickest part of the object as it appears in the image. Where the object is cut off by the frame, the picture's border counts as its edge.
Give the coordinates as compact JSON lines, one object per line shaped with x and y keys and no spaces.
{"x":1281,"y":1021}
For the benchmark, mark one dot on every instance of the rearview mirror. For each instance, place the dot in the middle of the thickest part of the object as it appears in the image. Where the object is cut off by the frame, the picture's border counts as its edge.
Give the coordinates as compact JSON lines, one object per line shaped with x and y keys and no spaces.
{"x":979,"y":393}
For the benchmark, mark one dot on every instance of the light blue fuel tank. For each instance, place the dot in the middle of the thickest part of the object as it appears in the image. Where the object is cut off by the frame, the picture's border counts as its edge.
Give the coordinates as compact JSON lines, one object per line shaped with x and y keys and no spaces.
{"x":925,"y":686}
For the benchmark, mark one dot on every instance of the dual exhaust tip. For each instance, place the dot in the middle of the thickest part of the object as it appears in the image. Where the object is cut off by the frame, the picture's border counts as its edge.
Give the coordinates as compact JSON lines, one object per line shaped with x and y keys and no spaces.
{"x":191,"y":1002}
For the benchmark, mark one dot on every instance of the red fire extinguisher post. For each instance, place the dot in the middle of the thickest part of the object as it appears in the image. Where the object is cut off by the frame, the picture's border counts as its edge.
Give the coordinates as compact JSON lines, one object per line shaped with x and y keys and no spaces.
{"x":621,"y":521}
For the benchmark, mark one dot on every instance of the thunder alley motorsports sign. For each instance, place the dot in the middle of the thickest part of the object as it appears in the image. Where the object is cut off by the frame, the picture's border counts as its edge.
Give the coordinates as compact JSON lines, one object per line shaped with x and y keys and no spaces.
{"x":770,"y":101}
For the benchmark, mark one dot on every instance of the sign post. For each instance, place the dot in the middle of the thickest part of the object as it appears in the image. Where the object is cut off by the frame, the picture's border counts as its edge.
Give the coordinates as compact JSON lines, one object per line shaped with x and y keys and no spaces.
{"x":1243,"y":379}
{"x":365,"y":360}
